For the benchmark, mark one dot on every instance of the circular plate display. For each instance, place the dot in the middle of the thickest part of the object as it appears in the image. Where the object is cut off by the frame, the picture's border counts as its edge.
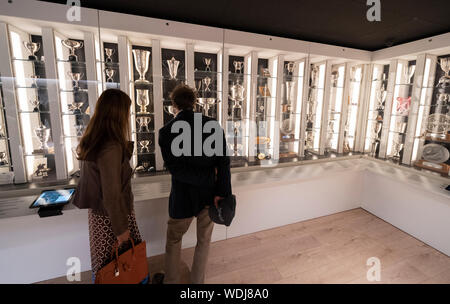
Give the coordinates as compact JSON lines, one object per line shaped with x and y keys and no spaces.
{"x":435,"y":153}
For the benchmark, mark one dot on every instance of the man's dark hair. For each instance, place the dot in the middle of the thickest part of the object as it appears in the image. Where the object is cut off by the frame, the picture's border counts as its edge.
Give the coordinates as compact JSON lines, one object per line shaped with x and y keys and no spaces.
{"x":183,"y":97}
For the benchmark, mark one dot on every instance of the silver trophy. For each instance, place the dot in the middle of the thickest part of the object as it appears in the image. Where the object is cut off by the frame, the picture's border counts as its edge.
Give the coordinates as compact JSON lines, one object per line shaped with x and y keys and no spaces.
{"x":314,"y":76}
{"x":109,"y":53}
{"x":381,"y":98}
{"x":142,"y":99}
{"x":207,"y":62}
{"x":141,"y":60}
{"x":34,"y":82}
{"x":397,"y":146}
{"x":43,"y":135}
{"x":32,"y":47}
{"x":409,"y":73}
{"x":72,"y":45}
{"x":287,"y":128}
{"x":237,"y":94}
{"x":207,"y":81}
{"x":35,"y":103}
{"x":376,"y":129}
{"x":287,"y":105}
{"x":143,"y":123}
{"x":206,"y":103}
{"x":334,"y":78}
{"x":144,"y":145}
{"x":170,"y":110}
{"x":290,"y":66}
{"x":109,"y":74}
{"x":173,"y":67}
{"x":438,"y":125}
{"x":444,"y":63}
{"x":75,"y":107}
{"x":373,"y":149}
{"x":265,"y":72}
{"x":238,"y":65}
{"x":3,"y":160}
{"x":76,"y":77}
{"x":79,"y":130}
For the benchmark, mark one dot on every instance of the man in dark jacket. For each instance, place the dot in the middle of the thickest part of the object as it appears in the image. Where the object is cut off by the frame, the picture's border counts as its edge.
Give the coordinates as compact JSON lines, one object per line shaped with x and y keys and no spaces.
{"x":200,"y":179}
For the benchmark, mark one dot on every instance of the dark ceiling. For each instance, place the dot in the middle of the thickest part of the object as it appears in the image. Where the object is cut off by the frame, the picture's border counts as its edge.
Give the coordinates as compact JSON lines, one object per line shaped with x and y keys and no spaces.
{"x":338,"y":22}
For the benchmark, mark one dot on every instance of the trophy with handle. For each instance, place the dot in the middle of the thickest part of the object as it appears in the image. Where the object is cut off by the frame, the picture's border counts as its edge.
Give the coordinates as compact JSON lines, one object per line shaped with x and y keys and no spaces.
{"x":32,"y":47}
{"x":141,"y":60}
{"x":72,"y":45}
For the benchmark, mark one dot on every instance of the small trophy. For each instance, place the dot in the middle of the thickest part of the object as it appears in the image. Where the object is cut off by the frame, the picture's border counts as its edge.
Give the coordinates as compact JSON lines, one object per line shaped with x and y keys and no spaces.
{"x":141,"y":60}
{"x":143,"y":123}
{"x":206,"y":103}
{"x":265,"y":72}
{"x":237,"y":94}
{"x":173,"y":68}
{"x":109,"y":53}
{"x":290,"y":67}
{"x":144,"y":145}
{"x":79,"y":129}
{"x":207,"y":81}
{"x":3,"y":160}
{"x":109,"y":74}
{"x":43,"y":135}
{"x":170,"y":110}
{"x":142,"y":100}
{"x":76,"y":77}
{"x":409,"y":73}
{"x":287,"y":129}
{"x":35,"y":103}
{"x":72,"y":45}
{"x":438,"y":125}
{"x":207,"y":62}
{"x":314,"y":76}
{"x":32,"y":47}
{"x":75,"y":107}
{"x":34,"y":84}
{"x":264,"y":91}
{"x":381,"y":98}
{"x":445,"y":66}
{"x":334,"y":78}
{"x":238,"y":65}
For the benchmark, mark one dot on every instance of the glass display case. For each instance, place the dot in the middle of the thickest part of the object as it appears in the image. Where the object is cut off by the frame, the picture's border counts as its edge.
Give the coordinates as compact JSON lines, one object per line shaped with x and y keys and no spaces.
{"x":6,"y":169}
{"x":315,"y":106}
{"x":337,"y":81}
{"x":377,"y":103}
{"x":290,"y":109}
{"x":400,"y":109}
{"x":352,"y":107}
{"x":431,"y":145}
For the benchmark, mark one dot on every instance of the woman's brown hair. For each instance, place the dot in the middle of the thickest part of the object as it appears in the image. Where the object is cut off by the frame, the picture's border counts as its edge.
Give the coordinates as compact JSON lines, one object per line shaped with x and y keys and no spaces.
{"x":110,"y":122}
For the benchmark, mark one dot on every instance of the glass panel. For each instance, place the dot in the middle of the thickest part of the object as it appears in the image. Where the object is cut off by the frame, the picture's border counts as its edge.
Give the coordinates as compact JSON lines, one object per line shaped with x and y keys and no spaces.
{"x":6,"y":168}
{"x":314,"y":108}
{"x":335,"y":107}
{"x":377,"y":102}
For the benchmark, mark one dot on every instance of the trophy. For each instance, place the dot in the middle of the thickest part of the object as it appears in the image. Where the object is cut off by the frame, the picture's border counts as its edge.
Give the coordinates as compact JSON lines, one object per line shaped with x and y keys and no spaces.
{"x":290,"y":67}
{"x":238,"y":65}
{"x":76,"y":77}
{"x":314,"y":76}
{"x":381,"y":98}
{"x":110,"y":74}
{"x":109,"y":53}
{"x":438,"y":125}
{"x":403,"y":104}
{"x":400,"y":127}
{"x":287,"y":128}
{"x":287,"y":107}
{"x":397,"y":146}
{"x":442,"y":99}
{"x":445,"y":66}
{"x":72,"y":45}
{"x":170,"y":110}
{"x":334,"y":78}
{"x":3,"y":160}
{"x":376,"y":129}
{"x":265,"y":72}
{"x":75,"y":107}
{"x":143,"y":123}
{"x":141,"y":60}
{"x":142,"y":100}
{"x":79,"y":129}
{"x":144,"y":167}
{"x":207,"y":62}
{"x":264,"y":91}
{"x":374,"y":148}
{"x":207,"y":81}
{"x":205,"y":103}
{"x":32,"y":47}
{"x":40,"y":169}
{"x":34,"y":84}
{"x":173,"y":67}
{"x":309,"y":143}
{"x":237,"y":94}
{"x":144,"y":145}
{"x":409,"y":73}
{"x":2,"y":134}
{"x":43,"y":135}
{"x":35,"y":103}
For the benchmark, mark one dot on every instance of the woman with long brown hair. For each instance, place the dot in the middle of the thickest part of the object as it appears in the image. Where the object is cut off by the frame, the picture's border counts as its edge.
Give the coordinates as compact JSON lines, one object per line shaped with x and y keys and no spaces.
{"x":104,"y":187}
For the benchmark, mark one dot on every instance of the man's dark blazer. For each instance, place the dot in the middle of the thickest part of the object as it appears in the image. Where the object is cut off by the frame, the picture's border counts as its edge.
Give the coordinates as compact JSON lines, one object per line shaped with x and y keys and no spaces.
{"x":194,"y":180}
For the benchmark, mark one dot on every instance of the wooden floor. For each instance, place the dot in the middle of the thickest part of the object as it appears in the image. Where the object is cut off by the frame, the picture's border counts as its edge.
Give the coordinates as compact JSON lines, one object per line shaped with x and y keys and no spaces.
{"x":330,"y":249}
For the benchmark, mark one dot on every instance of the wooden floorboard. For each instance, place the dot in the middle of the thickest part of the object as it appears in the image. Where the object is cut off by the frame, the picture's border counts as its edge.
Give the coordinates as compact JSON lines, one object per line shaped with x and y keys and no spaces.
{"x":330,"y":249}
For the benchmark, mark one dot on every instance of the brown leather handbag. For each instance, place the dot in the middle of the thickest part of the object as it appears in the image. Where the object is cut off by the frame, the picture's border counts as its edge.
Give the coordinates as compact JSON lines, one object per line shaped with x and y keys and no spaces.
{"x":128,"y":268}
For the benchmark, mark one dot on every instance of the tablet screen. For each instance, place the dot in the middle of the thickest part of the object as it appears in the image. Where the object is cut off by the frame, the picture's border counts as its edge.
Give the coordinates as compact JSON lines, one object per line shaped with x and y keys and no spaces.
{"x":53,"y":197}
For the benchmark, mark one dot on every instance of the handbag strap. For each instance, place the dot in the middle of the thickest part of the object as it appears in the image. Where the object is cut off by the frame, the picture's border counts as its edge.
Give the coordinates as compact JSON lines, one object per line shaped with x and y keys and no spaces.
{"x":115,"y":254}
